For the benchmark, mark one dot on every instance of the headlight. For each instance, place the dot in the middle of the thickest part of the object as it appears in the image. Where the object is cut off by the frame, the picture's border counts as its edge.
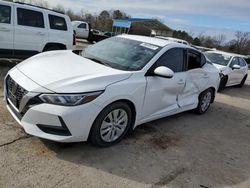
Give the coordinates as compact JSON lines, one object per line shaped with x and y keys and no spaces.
{"x":69,"y":99}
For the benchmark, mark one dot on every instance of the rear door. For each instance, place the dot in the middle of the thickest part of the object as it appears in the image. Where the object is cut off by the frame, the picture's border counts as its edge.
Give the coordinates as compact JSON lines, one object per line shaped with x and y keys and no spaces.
{"x":6,"y":30}
{"x":197,"y":79}
{"x":162,"y":93}
{"x":244,"y":67}
{"x":31,"y":34}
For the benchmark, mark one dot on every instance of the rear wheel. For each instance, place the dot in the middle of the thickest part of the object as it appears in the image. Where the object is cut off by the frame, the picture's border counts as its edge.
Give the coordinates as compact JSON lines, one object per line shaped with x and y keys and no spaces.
{"x":111,"y":125}
{"x":205,"y":100}
{"x":243,"y":81}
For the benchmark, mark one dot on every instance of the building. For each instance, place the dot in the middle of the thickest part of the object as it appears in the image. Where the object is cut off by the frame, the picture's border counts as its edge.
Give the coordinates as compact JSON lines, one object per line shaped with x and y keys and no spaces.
{"x":140,"y":26}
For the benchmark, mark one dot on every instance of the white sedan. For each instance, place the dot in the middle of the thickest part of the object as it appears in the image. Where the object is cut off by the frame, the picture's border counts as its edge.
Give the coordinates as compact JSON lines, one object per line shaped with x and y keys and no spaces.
{"x":233,"y":68}
{"x":113,"y":87}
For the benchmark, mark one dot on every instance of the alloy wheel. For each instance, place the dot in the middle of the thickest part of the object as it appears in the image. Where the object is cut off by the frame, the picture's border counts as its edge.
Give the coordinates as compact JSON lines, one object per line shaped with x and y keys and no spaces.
{"x":114,"y":125}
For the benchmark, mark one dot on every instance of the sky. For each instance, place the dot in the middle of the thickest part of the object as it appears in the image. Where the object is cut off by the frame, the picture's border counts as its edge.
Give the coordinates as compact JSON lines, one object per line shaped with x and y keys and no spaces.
{"x":208,"y":17}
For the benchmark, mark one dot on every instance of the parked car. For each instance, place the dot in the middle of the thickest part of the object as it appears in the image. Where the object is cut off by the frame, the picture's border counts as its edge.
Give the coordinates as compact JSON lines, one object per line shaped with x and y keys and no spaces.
{"x":233,"y":68}
{"x":26,"y":30}
{"x":83,"y":31}
{"x":173,"y":39}
{"x":105,"y":93}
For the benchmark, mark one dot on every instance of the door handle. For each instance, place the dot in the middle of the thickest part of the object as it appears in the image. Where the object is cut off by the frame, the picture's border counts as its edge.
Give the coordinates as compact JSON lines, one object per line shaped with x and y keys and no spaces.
{"x":40,"y":33}
{"x":4,"y":29}
{"x":205,"y":76}
{"x":181,"y":82}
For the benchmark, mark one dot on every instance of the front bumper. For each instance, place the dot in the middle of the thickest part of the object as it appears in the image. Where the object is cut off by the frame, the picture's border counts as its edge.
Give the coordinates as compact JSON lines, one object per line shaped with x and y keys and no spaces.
{"x":52,"y":122}
{"x":58,"y":123}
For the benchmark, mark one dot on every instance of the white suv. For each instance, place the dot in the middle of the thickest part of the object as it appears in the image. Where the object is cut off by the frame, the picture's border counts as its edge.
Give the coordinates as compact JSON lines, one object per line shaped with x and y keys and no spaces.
{"x":118,"y":84}
{"x":26,"y":30}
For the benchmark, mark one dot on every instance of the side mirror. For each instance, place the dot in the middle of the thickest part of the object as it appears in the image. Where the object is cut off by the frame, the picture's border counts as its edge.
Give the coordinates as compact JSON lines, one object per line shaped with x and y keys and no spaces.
{"x":164,"y":72}
{"x":236,"y":67}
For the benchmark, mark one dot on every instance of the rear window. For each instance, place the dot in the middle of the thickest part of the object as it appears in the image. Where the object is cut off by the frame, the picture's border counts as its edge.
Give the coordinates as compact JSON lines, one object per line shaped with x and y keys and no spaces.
{"x":30,"y":18}
{"x":58,"y":23}
{"x":5,"y":14}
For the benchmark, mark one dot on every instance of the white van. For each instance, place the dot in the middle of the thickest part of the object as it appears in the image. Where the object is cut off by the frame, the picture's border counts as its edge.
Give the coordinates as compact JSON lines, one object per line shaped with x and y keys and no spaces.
{"x":26,"y":30}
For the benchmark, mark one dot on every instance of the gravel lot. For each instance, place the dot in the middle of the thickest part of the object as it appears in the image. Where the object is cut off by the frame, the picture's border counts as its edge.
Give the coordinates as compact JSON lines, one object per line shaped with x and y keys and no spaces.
{"x":184,"y":150}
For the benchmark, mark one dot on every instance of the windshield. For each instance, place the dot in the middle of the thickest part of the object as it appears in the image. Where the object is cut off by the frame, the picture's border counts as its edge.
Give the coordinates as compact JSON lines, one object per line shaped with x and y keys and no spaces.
{"x":121,"y":53}
{"x":220,"y":59}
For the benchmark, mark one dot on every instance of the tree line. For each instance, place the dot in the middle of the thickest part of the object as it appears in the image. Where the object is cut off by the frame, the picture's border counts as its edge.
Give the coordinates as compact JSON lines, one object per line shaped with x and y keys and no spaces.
{"x":103,"y":21}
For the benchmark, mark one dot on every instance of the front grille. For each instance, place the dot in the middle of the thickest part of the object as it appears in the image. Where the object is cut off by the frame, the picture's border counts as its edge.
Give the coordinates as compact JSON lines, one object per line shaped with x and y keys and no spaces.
{"x":15,"y":92}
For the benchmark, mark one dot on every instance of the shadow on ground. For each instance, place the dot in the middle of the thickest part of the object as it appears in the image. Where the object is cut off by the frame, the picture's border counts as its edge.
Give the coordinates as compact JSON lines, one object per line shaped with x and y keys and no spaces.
{"x":234,"y":91}
{"x":182,"y":150}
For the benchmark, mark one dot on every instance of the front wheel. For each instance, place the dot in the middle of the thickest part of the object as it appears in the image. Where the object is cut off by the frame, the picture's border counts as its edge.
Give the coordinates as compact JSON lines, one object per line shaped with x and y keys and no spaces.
{"x":205,"y":100}
{"x":111,"y":125}
{"x":223,"y":83}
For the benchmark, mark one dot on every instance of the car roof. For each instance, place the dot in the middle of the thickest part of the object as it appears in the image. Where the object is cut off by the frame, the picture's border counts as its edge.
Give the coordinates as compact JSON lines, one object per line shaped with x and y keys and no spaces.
{"x":227,"y":53}
{"x":151,"y":40}
{"x":171,"y":38}
{"x":39,"y":8}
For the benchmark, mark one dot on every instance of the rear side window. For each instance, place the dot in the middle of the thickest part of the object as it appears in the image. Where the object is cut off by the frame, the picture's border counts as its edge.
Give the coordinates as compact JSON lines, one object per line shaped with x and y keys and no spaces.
{"x":173,"y":59}
{"x":195,"y":60}
{"x":5,"y":14}
{"x":57,"y":23}
{"x":30,"y":18}
{"x":242,"y":62}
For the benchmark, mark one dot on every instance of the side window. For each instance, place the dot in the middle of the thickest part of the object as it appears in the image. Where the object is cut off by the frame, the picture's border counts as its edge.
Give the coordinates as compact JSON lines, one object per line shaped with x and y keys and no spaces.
{"x":173,"y":59}
{"x":194,"y":60}
{"x":30,"y":18}
{"x":5,"y":14}
{"x":234,"y":62}
{"x":82,"y":26}
{"x":57,"y":23}
{"x":242,"y":62}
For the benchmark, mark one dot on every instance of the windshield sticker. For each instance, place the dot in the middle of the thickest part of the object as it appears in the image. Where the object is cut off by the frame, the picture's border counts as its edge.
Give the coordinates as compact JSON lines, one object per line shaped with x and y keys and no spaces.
{"x":150,"y":46}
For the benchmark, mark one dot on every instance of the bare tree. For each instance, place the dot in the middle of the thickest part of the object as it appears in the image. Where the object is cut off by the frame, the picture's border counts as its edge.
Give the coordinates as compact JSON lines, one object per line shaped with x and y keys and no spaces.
{"x":41,"y":3}
{"x":59,"y":8}
{"x":220,"y":40}
{"x":242,"y":40}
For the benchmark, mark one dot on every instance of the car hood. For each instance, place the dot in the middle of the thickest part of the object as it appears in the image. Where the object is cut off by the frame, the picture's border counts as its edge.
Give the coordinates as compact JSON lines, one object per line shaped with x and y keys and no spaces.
{"x":220,"y":67}
{"x":66,"y":72}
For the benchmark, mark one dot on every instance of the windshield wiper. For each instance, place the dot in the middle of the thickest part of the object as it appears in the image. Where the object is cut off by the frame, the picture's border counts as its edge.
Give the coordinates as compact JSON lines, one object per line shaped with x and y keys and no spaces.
{"x":98,"y":61}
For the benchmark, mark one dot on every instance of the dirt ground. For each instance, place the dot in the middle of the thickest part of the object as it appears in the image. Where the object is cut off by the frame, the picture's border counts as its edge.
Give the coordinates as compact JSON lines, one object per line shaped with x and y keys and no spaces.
{"x":185,"y":150}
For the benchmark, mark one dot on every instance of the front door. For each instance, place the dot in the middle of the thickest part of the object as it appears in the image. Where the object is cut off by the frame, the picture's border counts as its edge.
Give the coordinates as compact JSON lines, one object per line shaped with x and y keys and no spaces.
{"x":82,"y":31}
{"x":162,"y":93}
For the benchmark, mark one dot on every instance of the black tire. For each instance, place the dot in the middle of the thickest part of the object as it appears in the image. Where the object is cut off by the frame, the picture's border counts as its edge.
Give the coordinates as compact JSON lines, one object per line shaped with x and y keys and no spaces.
{"x":52,"y":48}
{"x":223,"y":83}
{"x":200,"y":108}
{"x":243,"y":81}
{"x":95,"y":134}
